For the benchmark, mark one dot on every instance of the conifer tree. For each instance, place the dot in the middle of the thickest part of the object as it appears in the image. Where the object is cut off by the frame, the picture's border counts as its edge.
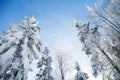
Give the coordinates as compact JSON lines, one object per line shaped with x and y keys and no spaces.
{"x":44,"y":66}
{"x":18,"y":45}
{"x":80,"y":75}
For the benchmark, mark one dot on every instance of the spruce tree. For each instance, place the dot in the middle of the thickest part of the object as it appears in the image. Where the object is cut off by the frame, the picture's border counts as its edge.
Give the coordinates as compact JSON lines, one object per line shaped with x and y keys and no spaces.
{"x":18,"y":46}
{"x":80,"y":75}
{"x":44,"y":66}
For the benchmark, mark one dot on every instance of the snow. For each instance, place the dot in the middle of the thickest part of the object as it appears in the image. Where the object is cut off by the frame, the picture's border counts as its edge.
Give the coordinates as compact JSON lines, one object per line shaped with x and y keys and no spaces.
{"x":4,"y":60}
{"x":35,"y":70}
{"x":36,"y":52}
{"x":8,"y":71}
{"x":16,"y":54}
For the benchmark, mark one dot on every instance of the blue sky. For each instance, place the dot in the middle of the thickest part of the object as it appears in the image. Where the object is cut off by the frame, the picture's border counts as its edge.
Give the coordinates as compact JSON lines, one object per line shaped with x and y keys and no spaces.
{"x":46,"y":11}
{"x":55,"y":20}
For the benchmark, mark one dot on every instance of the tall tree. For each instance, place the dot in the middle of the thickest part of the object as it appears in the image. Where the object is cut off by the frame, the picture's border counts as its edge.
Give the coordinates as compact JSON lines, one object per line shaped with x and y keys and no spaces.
{"x":101,"y":59}
{"x":103,"y":41}
{"x":44,"y":66}
{"x":18,"y":45}
{"x":80,"y":75}
{"x":107,"y":16}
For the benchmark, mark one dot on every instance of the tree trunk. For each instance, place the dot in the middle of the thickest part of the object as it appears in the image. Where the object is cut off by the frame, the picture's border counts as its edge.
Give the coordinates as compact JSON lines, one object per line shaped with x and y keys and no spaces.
{"x":110,"y":60}
{"x":62,"y":75}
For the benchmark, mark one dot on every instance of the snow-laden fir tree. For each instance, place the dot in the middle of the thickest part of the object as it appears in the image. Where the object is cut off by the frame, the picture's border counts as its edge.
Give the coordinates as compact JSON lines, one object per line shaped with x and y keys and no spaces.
{"x":80,"y":75}
{"x":44,"y":66}
{"x":19,"y":45}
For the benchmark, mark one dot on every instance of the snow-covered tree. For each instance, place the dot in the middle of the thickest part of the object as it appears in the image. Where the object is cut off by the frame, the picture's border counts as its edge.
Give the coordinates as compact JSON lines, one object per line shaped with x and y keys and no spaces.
{"x":44,"y":66}
{"x":102,"y":42}
{"x":102,"y":60}
{"x":80,"y":75}
{"x":107,"y":16}
{"x":62,"y":64}
{"x":18,"y":46}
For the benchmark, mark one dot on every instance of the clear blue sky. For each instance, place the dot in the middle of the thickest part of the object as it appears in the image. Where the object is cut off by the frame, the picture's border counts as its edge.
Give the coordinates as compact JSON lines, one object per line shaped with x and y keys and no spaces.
{"x":48,"y":12}
{"x":55,"y":19}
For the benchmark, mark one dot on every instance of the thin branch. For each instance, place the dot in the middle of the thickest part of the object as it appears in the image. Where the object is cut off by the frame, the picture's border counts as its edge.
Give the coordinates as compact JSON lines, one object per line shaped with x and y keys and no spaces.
{"x":112,"y":18}
{"x":105,"y":19}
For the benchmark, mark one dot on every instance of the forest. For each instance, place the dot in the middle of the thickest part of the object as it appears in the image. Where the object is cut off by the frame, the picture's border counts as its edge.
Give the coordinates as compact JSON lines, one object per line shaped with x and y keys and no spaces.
{"x":23,"y":53}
